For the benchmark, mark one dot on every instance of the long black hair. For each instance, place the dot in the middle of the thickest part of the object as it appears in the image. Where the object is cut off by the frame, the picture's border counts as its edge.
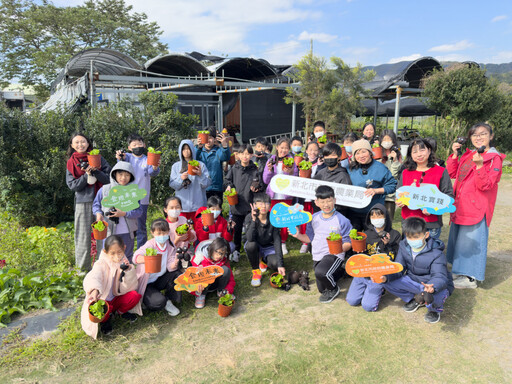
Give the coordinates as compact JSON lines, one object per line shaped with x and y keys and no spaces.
{"x":410,"y":164}
{"x":70,"y":149}
{"x":219,"y":243}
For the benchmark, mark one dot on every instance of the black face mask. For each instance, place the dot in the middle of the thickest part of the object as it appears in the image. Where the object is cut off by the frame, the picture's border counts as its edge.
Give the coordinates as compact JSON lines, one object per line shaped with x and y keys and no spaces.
{"x":258,"y":153}
{"x":138,"y":151}
{"x":330,"y":162}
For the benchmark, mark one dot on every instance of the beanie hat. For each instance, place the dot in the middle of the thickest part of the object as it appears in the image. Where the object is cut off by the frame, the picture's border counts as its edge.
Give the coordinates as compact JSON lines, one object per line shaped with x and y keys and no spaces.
{"x":361,"y":144}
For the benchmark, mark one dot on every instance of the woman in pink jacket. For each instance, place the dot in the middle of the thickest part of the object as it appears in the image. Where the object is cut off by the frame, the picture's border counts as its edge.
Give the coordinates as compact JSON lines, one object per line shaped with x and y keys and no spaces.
{"x":476,"y":174}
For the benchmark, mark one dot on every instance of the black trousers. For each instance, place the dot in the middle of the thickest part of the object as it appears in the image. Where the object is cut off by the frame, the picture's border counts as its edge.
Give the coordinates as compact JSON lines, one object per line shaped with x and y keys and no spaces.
{"x":327,"y":272}
{"x":237,"y":234}
{"x":358,"y":220}
{"x":254,"y":255}
{"x":220,"y":282}
{"x":153,"y":298}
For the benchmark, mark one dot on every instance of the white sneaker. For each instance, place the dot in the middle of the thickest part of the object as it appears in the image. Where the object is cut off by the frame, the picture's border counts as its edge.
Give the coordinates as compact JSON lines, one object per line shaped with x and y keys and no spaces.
{"x":464,"y":282}
{"x":285,"y":250}
{"x":169,"y":307}
{"x":304,"y":248}
{"x":235,"y":257}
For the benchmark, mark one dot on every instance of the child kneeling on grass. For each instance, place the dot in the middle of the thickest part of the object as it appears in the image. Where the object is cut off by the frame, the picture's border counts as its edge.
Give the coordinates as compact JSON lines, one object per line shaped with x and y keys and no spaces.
{"x":220,"y":227}
{"x":263,"y":245}
{"x":152,"y":284}
{"x":98,"y":285}
{"x":218,"y":254}
{"x":328,"y":267}
{"x":425,"y":279}
{"x":380,"y":238}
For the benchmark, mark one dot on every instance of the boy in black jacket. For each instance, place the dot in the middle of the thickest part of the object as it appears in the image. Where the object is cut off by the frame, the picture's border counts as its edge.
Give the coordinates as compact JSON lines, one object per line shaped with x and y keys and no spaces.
{"x":245,"y":178}
{"x":380,"y":238}
{"x":263,"y":240}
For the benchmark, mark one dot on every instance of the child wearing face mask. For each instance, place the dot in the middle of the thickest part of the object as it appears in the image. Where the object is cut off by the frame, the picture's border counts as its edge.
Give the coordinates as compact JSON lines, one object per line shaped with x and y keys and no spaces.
{"x":143,"y":174}
{"x":220,"y":226}
{"x":151,"y":285}
{"x":172,"y":213}
{"x":425,"y":279}
{"x":348,"y":140}
{"x":296,"y":145}
{"x":380,"y":238}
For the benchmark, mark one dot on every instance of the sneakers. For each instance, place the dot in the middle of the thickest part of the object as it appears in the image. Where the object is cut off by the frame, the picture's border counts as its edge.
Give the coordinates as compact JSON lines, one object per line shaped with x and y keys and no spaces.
{"x":131,"y":317}
{"x":235,"y":257}
{"x":200,"y":301}
{"x":169,"y":307}
{"x":263,"y":267}
{"x":412,"y":306}
{"x":432,"y":317}
{"x":283,"y":247}
{"x":465,"y":282}
{"x":256,"y":278}
{"x":328,"y":295}
{"x":106,"y":327}
{"x":304,"y":248}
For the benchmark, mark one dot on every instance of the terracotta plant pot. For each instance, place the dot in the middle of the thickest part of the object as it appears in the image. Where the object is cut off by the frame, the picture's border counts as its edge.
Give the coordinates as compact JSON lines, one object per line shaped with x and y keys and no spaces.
{"x":298,"y":159}
{"x":359,"y":245}
{"x":100,"y":235}
{"x":271,"y":283}
{"x":232,"y":160}
{"x":192,"y":170}
{"x":344,"y":154}
{"x":203,"y":137}
{"x":94,"y":160}
{"x":153,"y":264}
{"x":335,"y":247}
{"x":377,"y":153}
{"x":207,"y":219}
{"x":95,"y":319}
{"x":305,"y":173}
{"x":153,"y":159}
{"x":232,"y":200}
{"x":224,"y":310}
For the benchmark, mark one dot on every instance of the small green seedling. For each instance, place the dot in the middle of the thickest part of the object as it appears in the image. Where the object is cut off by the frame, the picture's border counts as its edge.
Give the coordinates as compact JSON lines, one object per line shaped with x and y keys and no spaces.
{"x":231,"y":192}
{"x":305,"y":165}
{"x":206,"y":211}
{"x":288,"y":162}
{"x":277,"y":280}
{"x":353,"y":235}
{"x":98,"y":309}
{"x":152,"y":150}
{"x":333,"y":236}
{"x":151,"y":252}
{"x":322,"y":139}
{"x":182,"y":229}
{"x":194,"y":163}
{"x":94,"y":152}
{"x":99,"y":226}
{"x":227,"y":300}
{"x":375,"y":145}
{"x":205,"y":132}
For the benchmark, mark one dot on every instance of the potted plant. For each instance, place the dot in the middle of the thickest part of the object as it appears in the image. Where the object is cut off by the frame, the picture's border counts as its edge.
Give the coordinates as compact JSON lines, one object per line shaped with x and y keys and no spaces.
{"x":305,"y":169}
{"x":287,"y":163}
{"x":152,"y":261}
{"x":99,"y":229}
{"x":377,"y":151}
{"x":344,"y":154}
{"x":322,"y":139}
{"x":335,"y":243}
{"x":276,"y":280}
{"x":207,"y":218}
{"x":98,"y":310}
{"x":358,"y":240}
{"x":94,"y":158}
{"x":153,"y":156}
{"x":183,"y":230}
{"x":193,"y":165}
{"x":203,"y":136}
{"x":226,"y":303}
{"x":231,"y":196}
{"x":298,"y":158}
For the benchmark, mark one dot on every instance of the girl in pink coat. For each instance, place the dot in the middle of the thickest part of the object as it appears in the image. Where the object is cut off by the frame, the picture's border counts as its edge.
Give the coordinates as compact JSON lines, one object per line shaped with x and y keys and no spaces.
{"x":476,"y":174}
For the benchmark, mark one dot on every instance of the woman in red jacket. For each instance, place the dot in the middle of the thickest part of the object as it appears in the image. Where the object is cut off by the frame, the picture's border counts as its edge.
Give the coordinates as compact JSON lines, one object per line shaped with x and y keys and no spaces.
{"x":476,"y":186}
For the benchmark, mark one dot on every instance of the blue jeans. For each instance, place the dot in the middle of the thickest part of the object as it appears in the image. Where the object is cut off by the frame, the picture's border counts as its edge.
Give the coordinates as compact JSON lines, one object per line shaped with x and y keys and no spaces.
{"x":142,"y":233}
{"x":405,"y":288}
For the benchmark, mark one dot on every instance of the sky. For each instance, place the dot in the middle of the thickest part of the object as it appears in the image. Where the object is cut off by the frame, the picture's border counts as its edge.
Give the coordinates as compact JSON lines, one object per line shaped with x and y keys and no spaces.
{"x":369,"y":32}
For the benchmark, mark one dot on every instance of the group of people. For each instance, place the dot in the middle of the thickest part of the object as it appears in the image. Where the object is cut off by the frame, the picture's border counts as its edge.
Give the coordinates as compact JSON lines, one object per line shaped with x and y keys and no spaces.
{"x":425,"y":279}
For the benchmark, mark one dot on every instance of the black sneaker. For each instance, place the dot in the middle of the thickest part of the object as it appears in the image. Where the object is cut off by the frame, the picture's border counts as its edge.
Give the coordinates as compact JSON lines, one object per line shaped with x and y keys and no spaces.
{"x":106,"y":327}
{"x":432,"y":317}
{"x":131,"y":317}
{"x":328,"y":295}
{"x":412,"y":306}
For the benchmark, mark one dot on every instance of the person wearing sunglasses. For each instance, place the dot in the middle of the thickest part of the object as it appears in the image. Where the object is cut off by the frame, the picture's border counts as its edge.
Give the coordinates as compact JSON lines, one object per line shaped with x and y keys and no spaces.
{"x":420,"y":168}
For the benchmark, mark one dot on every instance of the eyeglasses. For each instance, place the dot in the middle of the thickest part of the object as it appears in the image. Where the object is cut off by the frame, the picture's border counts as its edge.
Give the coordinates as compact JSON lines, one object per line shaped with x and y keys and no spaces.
{"x":223,"y":254}
{"x":479,"y":135}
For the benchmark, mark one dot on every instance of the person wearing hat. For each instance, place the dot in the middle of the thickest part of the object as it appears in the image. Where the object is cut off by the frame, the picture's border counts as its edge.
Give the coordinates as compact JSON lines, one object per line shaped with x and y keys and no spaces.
{"x":365,"y":172}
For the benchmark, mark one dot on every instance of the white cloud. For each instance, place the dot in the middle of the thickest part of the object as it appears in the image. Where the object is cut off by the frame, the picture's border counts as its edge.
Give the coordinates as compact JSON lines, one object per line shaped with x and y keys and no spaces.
{"x":459,"y":46}
{"x":414,"y":56}
{"x":317,"y":37}
{"x":289,"y":52}
{"x":499,"y":18}
{"x":454,"y":57}
{"x":502,"y":57}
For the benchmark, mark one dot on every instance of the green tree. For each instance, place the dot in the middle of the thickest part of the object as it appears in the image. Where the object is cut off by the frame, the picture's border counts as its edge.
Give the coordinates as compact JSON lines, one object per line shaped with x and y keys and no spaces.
{"x":37,"y":40}
{"x":332,"y":94}
{"x":501,"y":120}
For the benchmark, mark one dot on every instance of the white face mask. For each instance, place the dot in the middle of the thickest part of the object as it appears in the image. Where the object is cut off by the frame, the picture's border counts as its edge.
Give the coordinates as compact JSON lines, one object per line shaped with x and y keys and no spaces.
{"x":378,"y":223}
{"x":174,"y":213}
{"x":387,"y":144}
{"x":216,"y":214}
{"x":319,"y":134}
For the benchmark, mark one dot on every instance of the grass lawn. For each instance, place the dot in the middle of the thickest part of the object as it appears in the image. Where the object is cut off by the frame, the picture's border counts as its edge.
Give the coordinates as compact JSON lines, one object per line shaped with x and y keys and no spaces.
{"x":274,"y":336}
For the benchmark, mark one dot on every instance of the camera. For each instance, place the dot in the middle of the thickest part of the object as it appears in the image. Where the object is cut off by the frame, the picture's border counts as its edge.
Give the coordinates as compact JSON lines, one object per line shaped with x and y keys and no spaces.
{"x":83,"y":164}
{"x":481,"y":149}
{"x":256,"y":183}
{"x":110,"y":212}
{"x":257,"y":211}
{"x":461,"y":140}
{"x":185,"y":183}
{"x":183,"y":256}
{"x":312,"y":136}
{"x":382,"y":234}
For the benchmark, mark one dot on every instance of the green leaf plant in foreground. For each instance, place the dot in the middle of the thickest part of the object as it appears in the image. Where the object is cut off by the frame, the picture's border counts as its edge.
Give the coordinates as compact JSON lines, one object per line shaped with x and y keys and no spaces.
{"x":333,"y":236}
